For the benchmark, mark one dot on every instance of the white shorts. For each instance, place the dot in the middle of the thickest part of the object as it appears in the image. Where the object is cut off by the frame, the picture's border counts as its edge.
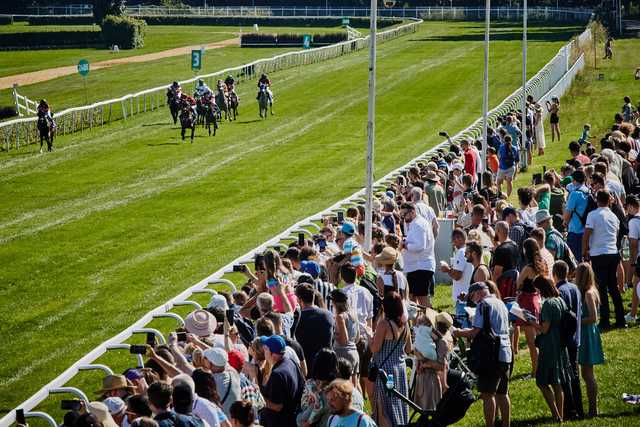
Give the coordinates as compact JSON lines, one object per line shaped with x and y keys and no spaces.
{"x":506,"y":173}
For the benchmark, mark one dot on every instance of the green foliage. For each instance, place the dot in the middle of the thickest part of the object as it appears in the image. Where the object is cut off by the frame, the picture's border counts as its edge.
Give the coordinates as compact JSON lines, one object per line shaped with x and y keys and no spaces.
{"x":264,"y":21}
{"x":66,"y":39}
{"x":289,"y":40}
{"x":60,"y":20}
{"x":104,"y":8}
{"x":8,"y":112}
{"x":124,"y":31}
{"x":6,"y":20}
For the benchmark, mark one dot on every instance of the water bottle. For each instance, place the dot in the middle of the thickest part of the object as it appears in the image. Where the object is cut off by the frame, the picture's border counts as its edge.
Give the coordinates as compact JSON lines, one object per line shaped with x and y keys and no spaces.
{"x":389,"y":384}
{"x":626,"y":252}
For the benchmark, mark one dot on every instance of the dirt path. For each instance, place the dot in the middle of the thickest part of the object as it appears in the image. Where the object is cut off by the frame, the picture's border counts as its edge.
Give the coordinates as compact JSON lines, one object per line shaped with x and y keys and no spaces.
{"x":52,"y":73}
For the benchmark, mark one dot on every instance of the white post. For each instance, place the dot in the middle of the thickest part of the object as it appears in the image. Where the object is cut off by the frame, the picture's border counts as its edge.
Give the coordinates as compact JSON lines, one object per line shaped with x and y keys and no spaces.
{"x":485,"y":88}
{"x":523,"y":125}
{"x":371,"y":124}
{"x":15,"y":98}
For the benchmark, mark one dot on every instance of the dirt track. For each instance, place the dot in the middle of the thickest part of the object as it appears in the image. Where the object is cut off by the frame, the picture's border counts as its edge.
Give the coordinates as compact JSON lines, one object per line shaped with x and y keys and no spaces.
{"x":52,"y":73}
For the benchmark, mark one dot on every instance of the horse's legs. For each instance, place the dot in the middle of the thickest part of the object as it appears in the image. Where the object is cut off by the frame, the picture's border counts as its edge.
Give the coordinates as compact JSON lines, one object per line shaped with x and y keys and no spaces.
{"x":41,"y":142}
{"x":182,"y":132}
{"x":193,"y":130}
{"x":50,"y":143}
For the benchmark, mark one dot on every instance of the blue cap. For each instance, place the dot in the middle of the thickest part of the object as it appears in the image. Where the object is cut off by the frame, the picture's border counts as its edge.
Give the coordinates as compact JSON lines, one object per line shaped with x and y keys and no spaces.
{"x":275,"y":343}
{"x":390,"y":194}
{"x":348,"y":228}
{"x":310,"y":267}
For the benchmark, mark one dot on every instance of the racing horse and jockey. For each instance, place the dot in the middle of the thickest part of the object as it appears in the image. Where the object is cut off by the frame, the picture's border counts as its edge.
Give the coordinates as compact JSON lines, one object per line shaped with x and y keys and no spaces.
{"x":211,"y":111}
{"x":265,"y":96}
{"x":174,"y":95}
{"x":187,"y":116}
{"x":46,"y":125}
{"x":232,"y":96}
{"x":222,"y":100}
{"x":201,"y":95}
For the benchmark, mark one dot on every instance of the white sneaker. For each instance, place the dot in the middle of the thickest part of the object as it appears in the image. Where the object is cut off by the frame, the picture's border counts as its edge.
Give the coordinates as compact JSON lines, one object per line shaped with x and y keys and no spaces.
{"x":630,"y":319}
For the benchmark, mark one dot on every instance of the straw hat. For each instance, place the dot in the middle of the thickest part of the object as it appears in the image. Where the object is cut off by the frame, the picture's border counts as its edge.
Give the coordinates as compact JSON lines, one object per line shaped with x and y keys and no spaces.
{"x":115,"y":382}
{"x":444,"y":318}
{"x":431,"y":315}
{"x":101,"y":412}
{"x":201,"y":323}
{"x":387,"y":256}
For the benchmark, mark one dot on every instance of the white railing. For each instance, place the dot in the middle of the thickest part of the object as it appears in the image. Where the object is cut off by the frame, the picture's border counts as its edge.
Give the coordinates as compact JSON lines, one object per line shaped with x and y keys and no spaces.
{"x":352,"y":33}
{"x":24,"y":130}
{"x":24,"y":106}
{"x":552,"y":80}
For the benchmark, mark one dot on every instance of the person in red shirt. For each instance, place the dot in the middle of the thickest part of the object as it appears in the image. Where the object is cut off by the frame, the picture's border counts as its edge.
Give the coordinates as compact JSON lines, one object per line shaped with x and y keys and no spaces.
{"x":574,"y":148}
{"x":492,"y":160}
{"x":469,"y":159}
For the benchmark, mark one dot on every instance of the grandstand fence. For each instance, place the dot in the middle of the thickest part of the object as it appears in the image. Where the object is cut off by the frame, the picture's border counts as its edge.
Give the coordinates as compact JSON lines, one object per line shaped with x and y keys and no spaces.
{"x":554,"y":79}
{"x":25,"y":130}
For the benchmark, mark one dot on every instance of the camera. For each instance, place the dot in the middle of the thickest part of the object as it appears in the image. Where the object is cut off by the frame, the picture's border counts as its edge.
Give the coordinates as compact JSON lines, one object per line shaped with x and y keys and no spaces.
{"x":138,"y":349}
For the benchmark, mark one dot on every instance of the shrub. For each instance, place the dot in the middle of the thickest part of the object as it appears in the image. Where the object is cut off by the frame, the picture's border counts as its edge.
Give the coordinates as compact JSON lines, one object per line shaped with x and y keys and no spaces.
{"x":104,"y":8}
{"x":263,"y":21}
{"x":60,"y":20}
{"x":6,"y":20}
{"x":7,"y":112}
{"x":288,"y":40}
{"x":50,"y":39}
{"x":126,"y":32}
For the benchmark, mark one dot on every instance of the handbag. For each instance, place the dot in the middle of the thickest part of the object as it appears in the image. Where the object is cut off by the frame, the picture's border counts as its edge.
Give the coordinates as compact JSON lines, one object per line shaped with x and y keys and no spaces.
{"x":374,"y":371}
{"x":483,"y":353}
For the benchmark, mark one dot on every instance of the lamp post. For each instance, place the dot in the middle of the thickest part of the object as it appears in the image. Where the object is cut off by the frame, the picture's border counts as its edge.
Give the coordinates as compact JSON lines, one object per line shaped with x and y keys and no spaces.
{"x":485,"y":87}
{"x":524,"y":84}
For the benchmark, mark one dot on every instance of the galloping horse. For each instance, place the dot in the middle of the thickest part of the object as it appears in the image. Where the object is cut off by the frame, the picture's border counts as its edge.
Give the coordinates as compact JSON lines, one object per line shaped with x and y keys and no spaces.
{"x":210,"y":116}
{"x":233,"y":104}
{"x":187,"y":121}
{"x":47,"y":131}
{"x":263,"y":101}
{"x":201,"y":110}
{"x":223,"y":103}
{"x":173,"y":101}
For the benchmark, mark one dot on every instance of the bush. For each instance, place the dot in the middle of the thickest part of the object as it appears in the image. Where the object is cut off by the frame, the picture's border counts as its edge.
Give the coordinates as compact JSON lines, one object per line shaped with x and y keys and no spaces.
{"x":266,"y":21}
{"x":104,"y":8}
{"x":60,"y":20}
{"x":6,"y":20}
{"x":50,"y":39}
{"x":7,"y":112}
{"x":288,"y":40}
{"x":126,"y":32}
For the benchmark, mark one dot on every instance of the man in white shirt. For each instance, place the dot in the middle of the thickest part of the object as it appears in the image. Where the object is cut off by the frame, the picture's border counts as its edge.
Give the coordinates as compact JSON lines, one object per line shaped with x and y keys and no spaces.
{"x":418,"y":254}
{"x":424,"y":210}
{"x":461,"y":270}
{"x":599,"y":244}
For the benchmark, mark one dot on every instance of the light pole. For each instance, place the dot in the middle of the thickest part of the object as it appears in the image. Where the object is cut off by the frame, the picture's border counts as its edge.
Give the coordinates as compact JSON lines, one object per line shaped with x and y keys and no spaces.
{"x":523,"y":125}
{"x":371,"y":124}
{"x":485,"y":87}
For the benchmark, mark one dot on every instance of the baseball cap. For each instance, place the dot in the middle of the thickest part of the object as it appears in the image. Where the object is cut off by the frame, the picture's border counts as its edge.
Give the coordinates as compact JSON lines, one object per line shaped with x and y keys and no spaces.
{"x":348,"y":228}
{"x":310,"y":267}
{"x":274,"y":343}
{"x":478,"y":286}
{"x":217,"y":356}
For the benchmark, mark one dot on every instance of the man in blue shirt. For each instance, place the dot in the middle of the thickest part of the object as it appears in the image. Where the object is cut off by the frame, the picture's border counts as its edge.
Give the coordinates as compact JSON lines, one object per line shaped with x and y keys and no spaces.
{"x":572,"y":297}
{"x":574,"y":210}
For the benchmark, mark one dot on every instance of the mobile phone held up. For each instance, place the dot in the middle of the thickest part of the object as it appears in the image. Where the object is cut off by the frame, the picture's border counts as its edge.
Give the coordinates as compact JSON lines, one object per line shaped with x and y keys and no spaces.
{"x":238,"y":268}
{"x":230,"y":315}
{"x":182,"y":336}
{"x":301,"y":241}
{"x":151,"y":339}
{"x":340,"y":217}
{"x":138,"y":349}
{"x":70,"y":405}
{"x":20,"y":419}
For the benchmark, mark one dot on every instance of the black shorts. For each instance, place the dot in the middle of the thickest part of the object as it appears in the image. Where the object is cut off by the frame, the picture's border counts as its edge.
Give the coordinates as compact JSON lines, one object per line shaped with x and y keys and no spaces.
{"x":497,"y":381}
{"x":555,"y":119}
{"x":365,"y":359}
{"x":420,"y":281}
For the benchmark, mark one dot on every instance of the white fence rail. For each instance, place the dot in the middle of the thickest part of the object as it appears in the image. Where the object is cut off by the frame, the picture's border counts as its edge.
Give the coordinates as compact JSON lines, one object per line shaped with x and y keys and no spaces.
{"x":552,"y":80}
{"x":24,"y":106}
{"x":24,"y":131}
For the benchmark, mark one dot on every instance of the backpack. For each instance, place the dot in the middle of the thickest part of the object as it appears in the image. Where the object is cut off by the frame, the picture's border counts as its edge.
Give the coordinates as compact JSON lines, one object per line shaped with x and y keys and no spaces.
{"x":370,"y":285}
{"x":246,"y":330}
{"x":556,"y":206}
{"x":568,"y":325}
{"x":485,"y":347}
{"x":568,"y":256}
{"x":591,"y":206}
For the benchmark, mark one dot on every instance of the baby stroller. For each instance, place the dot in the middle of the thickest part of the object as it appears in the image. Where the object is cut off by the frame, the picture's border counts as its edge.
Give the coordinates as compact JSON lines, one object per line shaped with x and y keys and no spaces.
{"x":452,"y":407}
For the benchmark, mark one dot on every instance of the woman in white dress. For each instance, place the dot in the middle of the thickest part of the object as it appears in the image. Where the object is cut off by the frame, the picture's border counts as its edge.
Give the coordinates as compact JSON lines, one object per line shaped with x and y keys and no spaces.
{"x":539,"y":130}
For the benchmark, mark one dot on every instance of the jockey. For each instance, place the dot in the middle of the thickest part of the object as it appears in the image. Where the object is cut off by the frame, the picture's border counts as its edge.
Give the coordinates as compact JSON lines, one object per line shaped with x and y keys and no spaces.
{"x":201,"y":89}
{"x":264,"y":80}
{"x":44,"y":111}
{"x":174,"y":91}
{"x":188,"y":102}
{"x":231,"y":83}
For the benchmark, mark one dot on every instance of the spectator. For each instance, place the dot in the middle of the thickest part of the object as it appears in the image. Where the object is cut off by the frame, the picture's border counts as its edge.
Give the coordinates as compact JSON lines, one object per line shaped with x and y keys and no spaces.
{"x":350,"y":247}
{"x":137,"y":406}
{"x":345,"y":372}
{"x":469,"y":159}
{"x":200,"y":407}
{"x":633,"y":211}
{"x":554,"y":241}
{"x":144,"y":422}
{"x":339,"y":396}
{"x":418,"y":254}
{"x":347,"y":332}
{"x":315,"y":326}
{"x":538,"y":234}
{"x":279,"y":283}
{"x":227,"y":379}
{"x":506,"y":254}
{"x":313,"y":404}
{"x":493,"y":384}
{"x":242,"y":414}
{"x":575,"y":213}
{"x":480,"y":272}
{"x":101,"y":412}
{"x":160,"y":400}
{"x":599,"y":245}
{"x":528,"y":207}
{"x":461,"y":270}
{"x":590,"y":350}
{"x":517,"y":232}
{"x":508,"y":156}
{"x":435,"y":193}
{"x":424,"y":210}
{"x":577,"y":157}
{"x":389,"y":279}
{"x":283,"y":389}
{"x":117,"y":409}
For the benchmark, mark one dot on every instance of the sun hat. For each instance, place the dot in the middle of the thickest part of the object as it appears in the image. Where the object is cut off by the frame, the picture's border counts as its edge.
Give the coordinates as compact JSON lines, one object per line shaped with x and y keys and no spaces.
{"x":444,"y":318}
{"x":387,"y":256}
{"x":115,"y":382}
{"x":432,"y":166}
{"x":216,"y":356}
{"x":236,"y":359}
{"x":201,"y":323}
{"x":101,"y":412}
{"x":431,"y":315}
{"x":115,"y":405}
{"x":457,"y":165}
{"x":542,"y":215}
{"x":274,"y":343}
{"x":312,"y":268}
{"x":218,"y":301}
{"x":348,"y":228}
{"x":432,"y":176}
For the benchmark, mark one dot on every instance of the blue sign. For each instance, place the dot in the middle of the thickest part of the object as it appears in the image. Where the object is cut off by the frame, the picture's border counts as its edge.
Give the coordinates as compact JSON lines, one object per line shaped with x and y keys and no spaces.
{"x":306,"y":41}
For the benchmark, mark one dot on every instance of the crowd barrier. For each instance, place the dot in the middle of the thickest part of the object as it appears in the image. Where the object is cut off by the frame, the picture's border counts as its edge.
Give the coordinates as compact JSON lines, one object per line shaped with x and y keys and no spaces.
{"x":559,"y":69}
{"x":25,"y":130}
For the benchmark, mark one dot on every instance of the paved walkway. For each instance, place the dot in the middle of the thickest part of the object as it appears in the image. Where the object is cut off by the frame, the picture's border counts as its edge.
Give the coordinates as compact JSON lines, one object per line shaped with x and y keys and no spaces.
{"x":53,"y":73}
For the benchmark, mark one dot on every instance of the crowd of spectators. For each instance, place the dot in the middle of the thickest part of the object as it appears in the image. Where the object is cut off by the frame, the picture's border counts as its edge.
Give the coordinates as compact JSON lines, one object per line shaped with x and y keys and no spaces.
{"x":320,"y":333}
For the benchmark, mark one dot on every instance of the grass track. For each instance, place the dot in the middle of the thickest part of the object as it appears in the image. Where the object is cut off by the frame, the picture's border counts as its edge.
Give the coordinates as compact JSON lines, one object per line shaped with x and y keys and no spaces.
{"x":120,"y":219}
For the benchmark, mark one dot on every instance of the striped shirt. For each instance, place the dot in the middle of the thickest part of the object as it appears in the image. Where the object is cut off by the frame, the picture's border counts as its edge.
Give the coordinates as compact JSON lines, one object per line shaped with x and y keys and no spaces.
{"x":352,"y":248}
{"x":325,"y":289}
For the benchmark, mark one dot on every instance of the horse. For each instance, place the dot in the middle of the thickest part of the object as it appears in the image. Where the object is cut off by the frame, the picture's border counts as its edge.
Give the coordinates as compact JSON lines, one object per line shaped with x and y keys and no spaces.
{"x":210,"y":116}
{"x":187,"y":121}
{"x":233,"y":104}
{"x":47,"y":132}
{"x":173,"y":101}
{"x":223,"y":103}
{"x":200,"y":110}
{"x":263,"y":101}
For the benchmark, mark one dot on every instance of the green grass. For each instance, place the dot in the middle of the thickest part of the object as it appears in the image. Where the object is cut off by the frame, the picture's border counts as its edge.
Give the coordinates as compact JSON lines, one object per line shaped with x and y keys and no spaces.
{"x":120,"y":219}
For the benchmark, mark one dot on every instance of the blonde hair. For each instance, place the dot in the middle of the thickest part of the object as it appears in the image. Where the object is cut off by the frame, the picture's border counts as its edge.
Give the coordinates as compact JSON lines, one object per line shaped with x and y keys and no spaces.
{"x":585,"y":280}
{"x":197,"y":358}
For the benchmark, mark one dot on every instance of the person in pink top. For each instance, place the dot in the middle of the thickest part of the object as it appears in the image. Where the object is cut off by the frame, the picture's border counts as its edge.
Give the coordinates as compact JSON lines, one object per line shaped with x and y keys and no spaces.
{"x":574,"y":147}
{"x":279,"y":283}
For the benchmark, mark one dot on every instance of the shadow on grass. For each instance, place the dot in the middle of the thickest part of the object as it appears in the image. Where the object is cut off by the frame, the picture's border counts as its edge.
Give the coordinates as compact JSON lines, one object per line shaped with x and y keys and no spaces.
{"x":155,"y":124}
{"x":250,"y":121}
{"x":540,"y":420}
{"x":548,"y":36}
{"x":164,"y":143}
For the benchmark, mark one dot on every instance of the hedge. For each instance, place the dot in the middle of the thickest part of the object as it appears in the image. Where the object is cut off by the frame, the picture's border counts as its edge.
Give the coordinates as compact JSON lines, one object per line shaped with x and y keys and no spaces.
{"x":60,"y":20}
{"x":288,"y":40}
{"x":126,"y":32}
{"x":6,"y":20}
{"x":7,"y":112}
{"x":264,"y":21}
{"x":50,"y":39}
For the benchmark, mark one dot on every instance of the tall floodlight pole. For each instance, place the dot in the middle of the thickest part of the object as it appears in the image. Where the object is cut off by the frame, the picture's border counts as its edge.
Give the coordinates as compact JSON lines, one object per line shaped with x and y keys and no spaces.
{"x":371,"y":124}
{"x":524,"y":83}
{"x":485,"y":87}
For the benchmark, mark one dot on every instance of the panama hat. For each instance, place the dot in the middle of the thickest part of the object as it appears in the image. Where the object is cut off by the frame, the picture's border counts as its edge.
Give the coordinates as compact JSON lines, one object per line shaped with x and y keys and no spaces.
{"x":115,"y":382}
{"x":101,"y":412}
{"x":387,"y":256}
{"x":201,"y":323}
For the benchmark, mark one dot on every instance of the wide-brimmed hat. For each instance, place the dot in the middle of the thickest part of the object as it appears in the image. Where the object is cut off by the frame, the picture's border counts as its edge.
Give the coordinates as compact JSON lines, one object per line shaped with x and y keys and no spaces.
{"x":432,"y":176}
{"x":444,"y":318}
{"x":101,"y":412}
{"x":115,"y":382}
{"x":387,"y":256}
{"x":115,"y":405}
{"x":542,"y":215}
{"x":218,"y":301}
{"x":201,"y":323}
{"x":431,"y":315}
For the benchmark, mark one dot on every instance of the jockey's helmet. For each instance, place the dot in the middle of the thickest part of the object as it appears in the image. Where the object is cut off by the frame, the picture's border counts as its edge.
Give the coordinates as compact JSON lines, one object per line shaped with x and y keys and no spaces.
{"x":200,"y":82}
{"x":264,"y":76}
{"x":175,"y":84}
{"x":43,"y":101}
{"x":229,"y":77}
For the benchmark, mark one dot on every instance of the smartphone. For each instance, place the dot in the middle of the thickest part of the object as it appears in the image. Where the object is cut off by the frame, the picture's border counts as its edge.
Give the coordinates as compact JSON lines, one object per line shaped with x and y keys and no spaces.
{"x":340,"y":217}
{"x":138,"y":349}
{"x":20,"y":419}
{"x":301,"y":241}
{"x":230,"y":316}
{"x":238,"y":268}
{"x":70,"y":405}
{"x":182,"y":336}
{"x":322,"y":245}
{"x":151,"y":339}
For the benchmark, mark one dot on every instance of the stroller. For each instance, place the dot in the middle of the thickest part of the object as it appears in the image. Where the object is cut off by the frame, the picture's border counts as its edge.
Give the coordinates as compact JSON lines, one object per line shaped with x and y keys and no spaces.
{"x":452,"y":407}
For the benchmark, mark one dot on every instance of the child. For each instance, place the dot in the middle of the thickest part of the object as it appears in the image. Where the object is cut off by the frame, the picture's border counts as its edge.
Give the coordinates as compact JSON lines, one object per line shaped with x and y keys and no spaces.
{"x":585,"y":134}
{"x":492,"y":160}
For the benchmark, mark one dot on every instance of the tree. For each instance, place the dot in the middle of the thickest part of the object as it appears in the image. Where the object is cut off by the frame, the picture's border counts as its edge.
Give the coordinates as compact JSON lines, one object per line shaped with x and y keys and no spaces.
{"x":102,"y":8}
